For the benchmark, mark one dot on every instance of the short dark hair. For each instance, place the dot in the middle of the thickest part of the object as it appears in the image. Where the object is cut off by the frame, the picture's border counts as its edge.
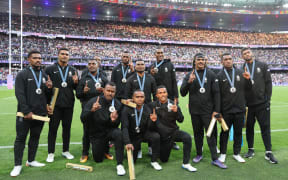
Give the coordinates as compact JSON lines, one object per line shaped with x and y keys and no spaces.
{"x":224,"y":54}
{"x":138,"y":90}
{"x":196,"y":56}
{"x":244,"y":49}
{"x":160,"y":87}
{"x":110,"y":83}
{"x":33,"y":52}
{"x":63,"y":49}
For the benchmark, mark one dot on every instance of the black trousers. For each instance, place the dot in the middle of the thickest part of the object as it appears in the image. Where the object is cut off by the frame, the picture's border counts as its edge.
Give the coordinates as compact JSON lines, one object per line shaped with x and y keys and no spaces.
{"x":153,"y":138}
{"x":166,"y":145}
{"x":99,"y":145}
{"x":199,"y":122}
{"x":64,"y":114}
{"x":263,"y":117}
{"x":237,"y":120}
{"x":23,"y":126}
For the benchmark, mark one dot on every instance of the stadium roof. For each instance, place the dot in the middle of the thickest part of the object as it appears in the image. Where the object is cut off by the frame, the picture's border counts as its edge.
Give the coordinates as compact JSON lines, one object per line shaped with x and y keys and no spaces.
{"x":118,"y":10}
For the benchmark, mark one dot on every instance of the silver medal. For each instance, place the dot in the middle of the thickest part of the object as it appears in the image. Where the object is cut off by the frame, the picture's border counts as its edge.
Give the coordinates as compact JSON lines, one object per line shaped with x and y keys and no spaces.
{"x":169,"y":106}
{"x":64,"y":84}
{"x":124,"y":80}
{"x":112,"y":109}
{"x":137,"y":129}
{"x":202,"y":90}
{"x":232,"y":89}
{"x":237,"y":78}
{"x":38,"y":91}
{"x":97,"y":85}
{"x":156,"y":70}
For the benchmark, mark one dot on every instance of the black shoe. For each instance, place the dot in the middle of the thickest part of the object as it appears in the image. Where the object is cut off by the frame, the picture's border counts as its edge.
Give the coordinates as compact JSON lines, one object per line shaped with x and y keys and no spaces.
{"x":269,"y":157}
{"x":249,"y":154}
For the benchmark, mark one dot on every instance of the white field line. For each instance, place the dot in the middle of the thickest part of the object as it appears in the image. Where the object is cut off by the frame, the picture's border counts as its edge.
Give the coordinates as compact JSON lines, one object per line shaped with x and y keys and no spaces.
{"x":79,"y":143}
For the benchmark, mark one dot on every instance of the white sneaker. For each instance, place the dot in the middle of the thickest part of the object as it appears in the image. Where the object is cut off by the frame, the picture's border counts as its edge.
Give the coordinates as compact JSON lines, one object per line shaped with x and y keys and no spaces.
{"x":50,"y":157}
{"x":218,"y":151}
{"x":120,"y":170}
{"x":139,"y":155}
{"x":222,"y":158}
{"x":149,"y":151}
{"x":188,"y":167}
{"x":67,"y":155}
{"x":16,"y":171}
{"x":35,"y":164}
{"x":156,"y":166}
{"x":239,"y":158}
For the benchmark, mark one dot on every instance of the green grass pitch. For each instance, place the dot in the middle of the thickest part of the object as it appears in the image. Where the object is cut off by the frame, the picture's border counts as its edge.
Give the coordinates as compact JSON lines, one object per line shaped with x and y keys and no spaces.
{"x":256,"y":168}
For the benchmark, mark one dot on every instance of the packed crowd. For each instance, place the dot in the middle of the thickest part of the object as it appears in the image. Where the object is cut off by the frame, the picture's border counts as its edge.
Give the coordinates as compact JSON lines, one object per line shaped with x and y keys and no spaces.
{"x":277,"y":78}
{"x":181,"y":55}
{"x":94,"y":28}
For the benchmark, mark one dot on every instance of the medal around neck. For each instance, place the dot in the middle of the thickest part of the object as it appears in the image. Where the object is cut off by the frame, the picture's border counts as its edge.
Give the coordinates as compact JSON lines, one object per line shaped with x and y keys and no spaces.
{"x":37,"y":81}
{"x":232,"y":89}
{"x":201,"y":83}
{"x":38,"y":91}
{"x":124,"y":80}
{"x":98,"y":85}
{"x":137,"y":129}
{"x":156,"y":70}
{"x":202,"y":90}
{"x":169,"y":106}
{"x":112,"y":109}
{"x":64,"y":84}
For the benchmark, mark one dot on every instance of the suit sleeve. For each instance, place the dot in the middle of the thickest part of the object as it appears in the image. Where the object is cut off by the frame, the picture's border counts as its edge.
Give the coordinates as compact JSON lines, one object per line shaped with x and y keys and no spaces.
{"x":80,"y":88}
{"x":215,"y":92}
{"x":125,"y":126}
{"x":154,"y":87}
{"x":174,"y":82}
{"x":185,"y":85}
{"x":20,"y":93}
{"x":86,"y":114}
{"x":268,"y":82}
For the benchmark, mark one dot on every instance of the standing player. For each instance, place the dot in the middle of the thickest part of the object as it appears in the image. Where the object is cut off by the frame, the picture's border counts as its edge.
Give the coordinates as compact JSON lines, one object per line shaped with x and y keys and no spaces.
{"x":258,"y":101}
{"x":232,"y":87}
{"x":33,"y":89}
{"x":204,"y":103}
{"x":121,"y":73}
{"x":65,"y":78}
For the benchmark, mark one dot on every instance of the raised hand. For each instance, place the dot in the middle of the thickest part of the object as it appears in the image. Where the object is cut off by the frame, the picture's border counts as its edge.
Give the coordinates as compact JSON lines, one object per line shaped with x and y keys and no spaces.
{"x":153,"y":116}
{"x":86,"y":88}
{"x":191,"y":77}
{"x":174,"y":107}
{"x":96,"y":105}
{"x":75,"y":78}
{"x":246,"y":74}
{"x":49,"y":83}
{"x":152,"y":71}
{"x":131,"y":65}
{"x":114,"y":116}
